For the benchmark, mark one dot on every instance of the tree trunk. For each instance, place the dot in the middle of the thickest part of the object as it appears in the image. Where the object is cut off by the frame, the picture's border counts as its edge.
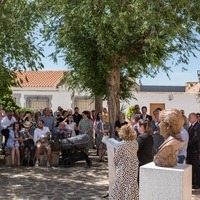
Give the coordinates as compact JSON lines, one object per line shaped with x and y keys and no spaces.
{"x":113,"y":96}
{"x":98,"y":104}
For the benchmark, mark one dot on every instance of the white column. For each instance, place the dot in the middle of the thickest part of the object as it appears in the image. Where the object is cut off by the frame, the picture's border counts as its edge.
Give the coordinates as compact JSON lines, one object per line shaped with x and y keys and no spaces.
{"x":165,"y":183}
{"x":111,"y":147}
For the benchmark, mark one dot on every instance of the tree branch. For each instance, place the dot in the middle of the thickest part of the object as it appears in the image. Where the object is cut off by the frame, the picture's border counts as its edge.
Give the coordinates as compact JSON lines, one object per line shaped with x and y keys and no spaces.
{"x":2,"y":2}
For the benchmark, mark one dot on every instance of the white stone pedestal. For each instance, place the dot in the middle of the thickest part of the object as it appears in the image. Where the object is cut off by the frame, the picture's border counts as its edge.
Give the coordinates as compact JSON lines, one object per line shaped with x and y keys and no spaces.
{"x":163,"y":183}
{"x":111,"y":147}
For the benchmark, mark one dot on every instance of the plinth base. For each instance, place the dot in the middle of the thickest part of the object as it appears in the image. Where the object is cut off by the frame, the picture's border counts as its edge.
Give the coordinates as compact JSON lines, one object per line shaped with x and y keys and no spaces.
{"x":163,"y":183}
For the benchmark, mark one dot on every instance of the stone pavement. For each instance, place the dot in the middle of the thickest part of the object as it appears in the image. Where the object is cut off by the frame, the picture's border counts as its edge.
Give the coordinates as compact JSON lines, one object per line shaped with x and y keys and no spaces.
{"x":71,"y":183}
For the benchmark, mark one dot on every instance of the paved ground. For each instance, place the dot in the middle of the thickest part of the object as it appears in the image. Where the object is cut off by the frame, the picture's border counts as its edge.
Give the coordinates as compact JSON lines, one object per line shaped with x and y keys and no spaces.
{"x":75,"y":182}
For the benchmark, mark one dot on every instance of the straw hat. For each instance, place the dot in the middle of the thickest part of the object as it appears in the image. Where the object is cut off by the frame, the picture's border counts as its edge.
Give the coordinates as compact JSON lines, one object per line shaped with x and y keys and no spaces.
{"x":27,"y":124}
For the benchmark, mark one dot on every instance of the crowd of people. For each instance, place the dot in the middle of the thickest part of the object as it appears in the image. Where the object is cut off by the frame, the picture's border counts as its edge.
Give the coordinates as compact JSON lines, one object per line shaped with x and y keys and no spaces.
{"x":34,"y":131}
{"x":142,"y":141}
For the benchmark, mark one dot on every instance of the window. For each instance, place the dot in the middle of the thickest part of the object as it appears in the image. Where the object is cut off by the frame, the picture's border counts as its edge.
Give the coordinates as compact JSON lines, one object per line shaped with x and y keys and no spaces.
{"x":84,"y":103}
{"x":16,"y":98}
{"x":37,"y":103}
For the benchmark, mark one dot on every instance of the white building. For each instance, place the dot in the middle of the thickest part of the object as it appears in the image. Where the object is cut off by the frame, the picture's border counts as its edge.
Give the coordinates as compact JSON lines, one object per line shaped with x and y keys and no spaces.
{"x":180,"y":97}
{"x":40,"y":89}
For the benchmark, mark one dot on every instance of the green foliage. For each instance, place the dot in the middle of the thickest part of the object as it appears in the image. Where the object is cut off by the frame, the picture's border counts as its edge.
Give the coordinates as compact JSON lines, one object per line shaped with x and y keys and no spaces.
{"x":6,"y":80}
{"x":137,"y":35}
{"x":130,"y":112}
{"x":18,"y":39}
{"x":8,"y":102}
{"x":19,"y":46}
{"x":25,"y":109}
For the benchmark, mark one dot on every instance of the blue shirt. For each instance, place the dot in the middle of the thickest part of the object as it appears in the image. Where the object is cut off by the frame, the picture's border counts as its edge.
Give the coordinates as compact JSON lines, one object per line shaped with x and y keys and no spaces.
{"x":49,"y":121}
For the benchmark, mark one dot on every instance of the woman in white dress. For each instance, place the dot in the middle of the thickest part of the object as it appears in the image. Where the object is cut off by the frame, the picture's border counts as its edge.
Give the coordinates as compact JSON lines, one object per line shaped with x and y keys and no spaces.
{"x":126,"y":186}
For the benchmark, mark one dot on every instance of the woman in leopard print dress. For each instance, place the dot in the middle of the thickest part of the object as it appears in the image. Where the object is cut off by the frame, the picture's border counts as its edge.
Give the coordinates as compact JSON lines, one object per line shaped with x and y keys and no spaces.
{"x":126,"y":186}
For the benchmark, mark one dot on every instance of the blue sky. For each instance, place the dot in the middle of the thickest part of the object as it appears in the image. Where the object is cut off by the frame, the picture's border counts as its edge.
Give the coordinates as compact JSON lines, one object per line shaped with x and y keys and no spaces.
{"x":177,"y":76}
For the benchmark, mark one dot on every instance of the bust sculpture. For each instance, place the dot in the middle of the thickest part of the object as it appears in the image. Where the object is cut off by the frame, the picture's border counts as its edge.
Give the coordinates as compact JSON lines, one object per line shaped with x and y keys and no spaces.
{"x":171,"y":122}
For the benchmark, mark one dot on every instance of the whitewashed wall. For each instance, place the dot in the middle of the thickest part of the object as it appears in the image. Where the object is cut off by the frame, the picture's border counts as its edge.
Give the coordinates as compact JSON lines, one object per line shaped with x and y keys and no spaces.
{"x":62,"y":97}
{"x":185,"y":101}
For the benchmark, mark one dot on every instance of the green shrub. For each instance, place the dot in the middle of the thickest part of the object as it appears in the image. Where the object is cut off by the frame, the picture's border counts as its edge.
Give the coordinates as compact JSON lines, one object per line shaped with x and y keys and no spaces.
{"x":131,"y":111}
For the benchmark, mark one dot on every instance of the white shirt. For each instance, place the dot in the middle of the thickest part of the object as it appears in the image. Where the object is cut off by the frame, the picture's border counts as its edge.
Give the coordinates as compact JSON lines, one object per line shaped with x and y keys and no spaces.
{"x":71,"y":127}
{"x":144,"y":116}
{"x":185,"y":137}
{"x":5,"y":122}
{"x":38,"y":133}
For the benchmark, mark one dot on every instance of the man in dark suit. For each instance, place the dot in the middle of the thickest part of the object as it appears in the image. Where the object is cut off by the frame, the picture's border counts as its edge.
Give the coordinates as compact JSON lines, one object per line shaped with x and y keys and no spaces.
{"x":144,"y":114}
{"x":193,"y":151}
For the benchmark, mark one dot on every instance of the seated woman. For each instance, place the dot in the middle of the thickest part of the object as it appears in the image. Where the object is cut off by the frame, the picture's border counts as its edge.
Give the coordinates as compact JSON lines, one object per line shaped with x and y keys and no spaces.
{"x":13,"y":143}
{"x":62,"y":132}
{"x":71,"y":125}
{"x":126,"y":161}
{"x":27,"y":143}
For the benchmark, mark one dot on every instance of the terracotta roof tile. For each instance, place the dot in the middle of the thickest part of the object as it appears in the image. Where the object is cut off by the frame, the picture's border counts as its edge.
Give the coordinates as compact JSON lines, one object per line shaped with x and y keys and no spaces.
{"x":39,"y":78}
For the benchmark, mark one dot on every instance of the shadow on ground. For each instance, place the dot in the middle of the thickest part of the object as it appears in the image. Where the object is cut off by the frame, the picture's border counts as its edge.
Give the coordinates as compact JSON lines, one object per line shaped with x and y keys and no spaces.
{"x":73,"y":183}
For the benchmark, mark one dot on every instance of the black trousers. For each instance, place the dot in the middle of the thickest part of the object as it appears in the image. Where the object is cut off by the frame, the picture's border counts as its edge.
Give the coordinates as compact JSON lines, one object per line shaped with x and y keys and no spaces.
{"x":5,"y":133}
{"x":31,"y":149}
{"x":194,"y":160}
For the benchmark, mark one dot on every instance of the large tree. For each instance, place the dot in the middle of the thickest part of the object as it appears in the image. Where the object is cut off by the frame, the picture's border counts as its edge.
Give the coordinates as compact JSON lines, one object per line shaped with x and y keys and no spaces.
{"x":18,"y":40}
{"x":108,"y":44}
